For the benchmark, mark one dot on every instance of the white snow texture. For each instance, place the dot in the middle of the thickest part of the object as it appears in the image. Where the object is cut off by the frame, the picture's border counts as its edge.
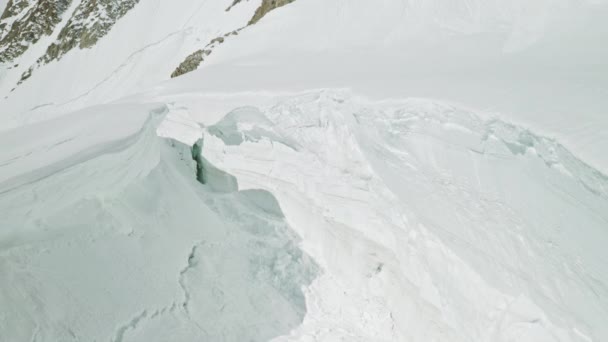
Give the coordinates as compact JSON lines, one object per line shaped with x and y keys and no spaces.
{"x":342,"y":170}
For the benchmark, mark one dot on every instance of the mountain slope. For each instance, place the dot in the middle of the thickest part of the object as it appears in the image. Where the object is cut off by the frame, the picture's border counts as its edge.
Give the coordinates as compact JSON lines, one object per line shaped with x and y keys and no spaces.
{"x":336,"y":170}
{"x":537,"y":63}
{"x":25,"y":22}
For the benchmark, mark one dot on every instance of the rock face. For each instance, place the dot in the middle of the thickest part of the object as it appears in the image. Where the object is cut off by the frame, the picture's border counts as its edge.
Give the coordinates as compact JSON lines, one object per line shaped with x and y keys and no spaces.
{"x":13,"y":8}
{"x":91,"y":20}
{"x":195,"y":59}
{"x":190,"y":63}
{"x":234,"y":3}
{"x":24,"y":22}
{"x":267,"y":6}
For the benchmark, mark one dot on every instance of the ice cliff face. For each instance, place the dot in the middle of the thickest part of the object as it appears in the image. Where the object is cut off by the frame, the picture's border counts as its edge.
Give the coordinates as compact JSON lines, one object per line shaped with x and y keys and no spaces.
{"x":166,"y":257}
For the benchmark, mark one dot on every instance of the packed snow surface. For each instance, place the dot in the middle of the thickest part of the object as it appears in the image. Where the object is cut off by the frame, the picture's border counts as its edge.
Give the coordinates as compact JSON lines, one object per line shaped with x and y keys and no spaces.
{"x":344,"y":170}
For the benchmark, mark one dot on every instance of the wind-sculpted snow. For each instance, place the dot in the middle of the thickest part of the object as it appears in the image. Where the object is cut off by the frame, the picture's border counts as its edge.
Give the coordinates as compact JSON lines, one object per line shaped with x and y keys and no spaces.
{"x":473,"y":206}
{"x":106,"y":234}
{"x":431,"y":223}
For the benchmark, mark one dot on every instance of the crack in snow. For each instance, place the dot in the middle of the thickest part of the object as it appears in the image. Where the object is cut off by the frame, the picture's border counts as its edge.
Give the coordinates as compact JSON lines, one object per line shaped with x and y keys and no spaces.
{"x":131,"y":325}
{"x":186,"y":302}
{"x":182,"y":273}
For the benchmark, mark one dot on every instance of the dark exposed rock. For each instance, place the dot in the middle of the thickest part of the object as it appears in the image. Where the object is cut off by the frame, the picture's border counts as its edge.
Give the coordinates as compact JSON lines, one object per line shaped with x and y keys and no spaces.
{"x":27,"y":74}
{"x":30,"y":21}
{"x":217,"y":40}
{"x":234,"y":3}
{"x":267,"y":6}
{"x":13,"y":8}
{"x":233,"y":33}
{"x":195,"y":59}
{"x":91,"y":20}
{"x":191,"y":63}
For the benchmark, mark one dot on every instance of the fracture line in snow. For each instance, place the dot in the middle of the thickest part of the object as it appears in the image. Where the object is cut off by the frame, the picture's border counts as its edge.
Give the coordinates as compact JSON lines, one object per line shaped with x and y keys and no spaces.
{"x":182,"y":273}
{"x":132,"y":324}
{"x":185,"y":304}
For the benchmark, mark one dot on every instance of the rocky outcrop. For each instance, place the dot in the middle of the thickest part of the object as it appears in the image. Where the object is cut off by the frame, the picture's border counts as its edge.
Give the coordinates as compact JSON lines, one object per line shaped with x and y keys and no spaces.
{"x":267,"y":6}
{"x":24,"y":22}
{"x":234,"y":3}
{"x":13,"y":8}
{"x":193,"y":61}
{"x":91,"y":20}
{"x":190,"y":63}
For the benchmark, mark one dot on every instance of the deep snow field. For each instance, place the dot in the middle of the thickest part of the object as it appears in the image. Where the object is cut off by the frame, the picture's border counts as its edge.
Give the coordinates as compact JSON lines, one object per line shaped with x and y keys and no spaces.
{"x":342,"y":170}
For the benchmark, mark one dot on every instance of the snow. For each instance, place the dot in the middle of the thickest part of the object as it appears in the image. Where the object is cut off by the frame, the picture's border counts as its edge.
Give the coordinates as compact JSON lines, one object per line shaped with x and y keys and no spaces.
{"x":88,"y":77}
{"x":436,"y":214}
{"x":555,"y":85}
{"x":107,"y":235}
{"x":10,"y":20}
{"x":12,"y":74}
{"x":365,"y":171}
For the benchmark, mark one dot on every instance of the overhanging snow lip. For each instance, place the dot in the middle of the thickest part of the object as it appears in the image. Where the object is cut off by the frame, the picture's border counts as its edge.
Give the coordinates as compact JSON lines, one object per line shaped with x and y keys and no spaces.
{"x":96,"y":136}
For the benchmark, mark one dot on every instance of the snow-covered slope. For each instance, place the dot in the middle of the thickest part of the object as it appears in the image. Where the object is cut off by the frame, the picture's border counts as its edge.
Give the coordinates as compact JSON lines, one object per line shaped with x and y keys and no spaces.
{"x":538,"y":63}
{"x":141,"y":55}
{"x":351,"y":170}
